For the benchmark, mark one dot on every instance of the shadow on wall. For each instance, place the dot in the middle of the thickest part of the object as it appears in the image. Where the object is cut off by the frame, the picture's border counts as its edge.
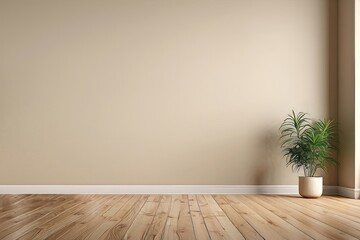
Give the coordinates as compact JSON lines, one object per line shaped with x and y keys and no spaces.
{"x":267,"y":159}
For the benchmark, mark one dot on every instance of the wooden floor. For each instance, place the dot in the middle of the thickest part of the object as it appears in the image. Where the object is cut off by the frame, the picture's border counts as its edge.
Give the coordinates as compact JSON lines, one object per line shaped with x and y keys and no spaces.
{"x":177,"y":217}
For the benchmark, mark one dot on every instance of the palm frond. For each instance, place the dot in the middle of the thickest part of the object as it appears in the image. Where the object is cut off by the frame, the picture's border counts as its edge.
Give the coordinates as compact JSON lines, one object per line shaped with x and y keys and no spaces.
{"x":308,"y":144}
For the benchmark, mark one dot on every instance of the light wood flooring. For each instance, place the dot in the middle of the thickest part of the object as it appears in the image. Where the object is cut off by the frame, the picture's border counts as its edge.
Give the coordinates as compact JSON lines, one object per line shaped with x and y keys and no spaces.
{"x":177,"y":217}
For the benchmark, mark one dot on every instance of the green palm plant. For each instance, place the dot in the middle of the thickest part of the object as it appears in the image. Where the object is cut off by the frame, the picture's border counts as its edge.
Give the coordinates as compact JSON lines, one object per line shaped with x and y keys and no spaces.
{"x":308,"y":144}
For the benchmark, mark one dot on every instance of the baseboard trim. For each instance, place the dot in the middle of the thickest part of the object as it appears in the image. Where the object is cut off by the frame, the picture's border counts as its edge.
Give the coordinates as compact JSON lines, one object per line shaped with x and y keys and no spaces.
{"x":156,"y":189}
{"x":330,"y":190}
{"x":349,"y":192}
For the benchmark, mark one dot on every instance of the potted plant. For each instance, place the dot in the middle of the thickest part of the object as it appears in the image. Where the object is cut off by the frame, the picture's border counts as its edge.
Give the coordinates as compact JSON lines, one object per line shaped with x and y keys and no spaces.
{"x":308,"y":145}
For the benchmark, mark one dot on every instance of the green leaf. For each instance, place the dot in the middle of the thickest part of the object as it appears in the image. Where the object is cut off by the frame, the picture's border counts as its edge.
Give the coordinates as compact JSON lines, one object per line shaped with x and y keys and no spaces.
{"x":308,"y":144}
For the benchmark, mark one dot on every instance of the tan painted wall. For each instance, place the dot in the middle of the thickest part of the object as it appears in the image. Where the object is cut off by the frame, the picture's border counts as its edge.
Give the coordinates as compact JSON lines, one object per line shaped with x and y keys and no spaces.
{"x":357,"y":92}
{"x":157,"y":92}
{"x":346,"y":170}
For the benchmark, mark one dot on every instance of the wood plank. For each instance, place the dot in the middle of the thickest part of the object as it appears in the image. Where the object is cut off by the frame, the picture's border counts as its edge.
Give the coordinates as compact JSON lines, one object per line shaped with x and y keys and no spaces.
{"x":125,"y":218}
{"x":141,"y":224}
{"x":338,"y":208}
{"x":200,"y":229}
{"x":177,"y":217}
{"x":310,"y":226}
{"x":116,"y":206}
{"x":49,"y":226}
{"x":9,"y":201}
{"x":239,"y":222}
{"x":285,"y":229}
{"x":158,"y":224}
{"x":170,"y":230}
{"x":96,"y":222}
{"x":353,"y":203}
{"x":26,"y":209}
{"x":100,"y":209}
{"x":225,"y":222}
{"x":311,"y":212}
{"x":327,"y":211}
{"x":185,"y":228}
{"x":178,"y":224}
{"x":36,"y":219}
{"x":262,"y":226}
{"x":218,"y":224}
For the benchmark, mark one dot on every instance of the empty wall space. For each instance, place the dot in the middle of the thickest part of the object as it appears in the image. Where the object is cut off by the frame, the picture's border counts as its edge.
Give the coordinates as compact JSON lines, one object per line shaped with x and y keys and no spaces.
{"x":158,"y":92}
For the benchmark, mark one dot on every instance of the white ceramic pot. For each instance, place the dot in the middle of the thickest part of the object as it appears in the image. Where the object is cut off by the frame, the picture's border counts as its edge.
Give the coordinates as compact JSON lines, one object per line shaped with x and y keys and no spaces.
{"x":310,"y":187}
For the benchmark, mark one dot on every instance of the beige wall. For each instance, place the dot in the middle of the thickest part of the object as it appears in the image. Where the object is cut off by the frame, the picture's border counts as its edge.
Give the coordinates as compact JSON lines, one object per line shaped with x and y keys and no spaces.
{"x":157,"y":92}
{"x":357,"y":92}
{"x":346,"y":110}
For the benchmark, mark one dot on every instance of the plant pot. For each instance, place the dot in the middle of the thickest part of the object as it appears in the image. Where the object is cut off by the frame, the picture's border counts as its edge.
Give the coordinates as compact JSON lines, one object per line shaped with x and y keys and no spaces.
{"x":310,"y":187}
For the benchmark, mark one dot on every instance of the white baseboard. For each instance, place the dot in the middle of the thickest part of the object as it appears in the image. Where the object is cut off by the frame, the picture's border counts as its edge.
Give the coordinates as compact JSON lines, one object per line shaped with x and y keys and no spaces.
{"x":156,"y":189}
{"x":330,"y":190}
{"x":349,"y":192}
